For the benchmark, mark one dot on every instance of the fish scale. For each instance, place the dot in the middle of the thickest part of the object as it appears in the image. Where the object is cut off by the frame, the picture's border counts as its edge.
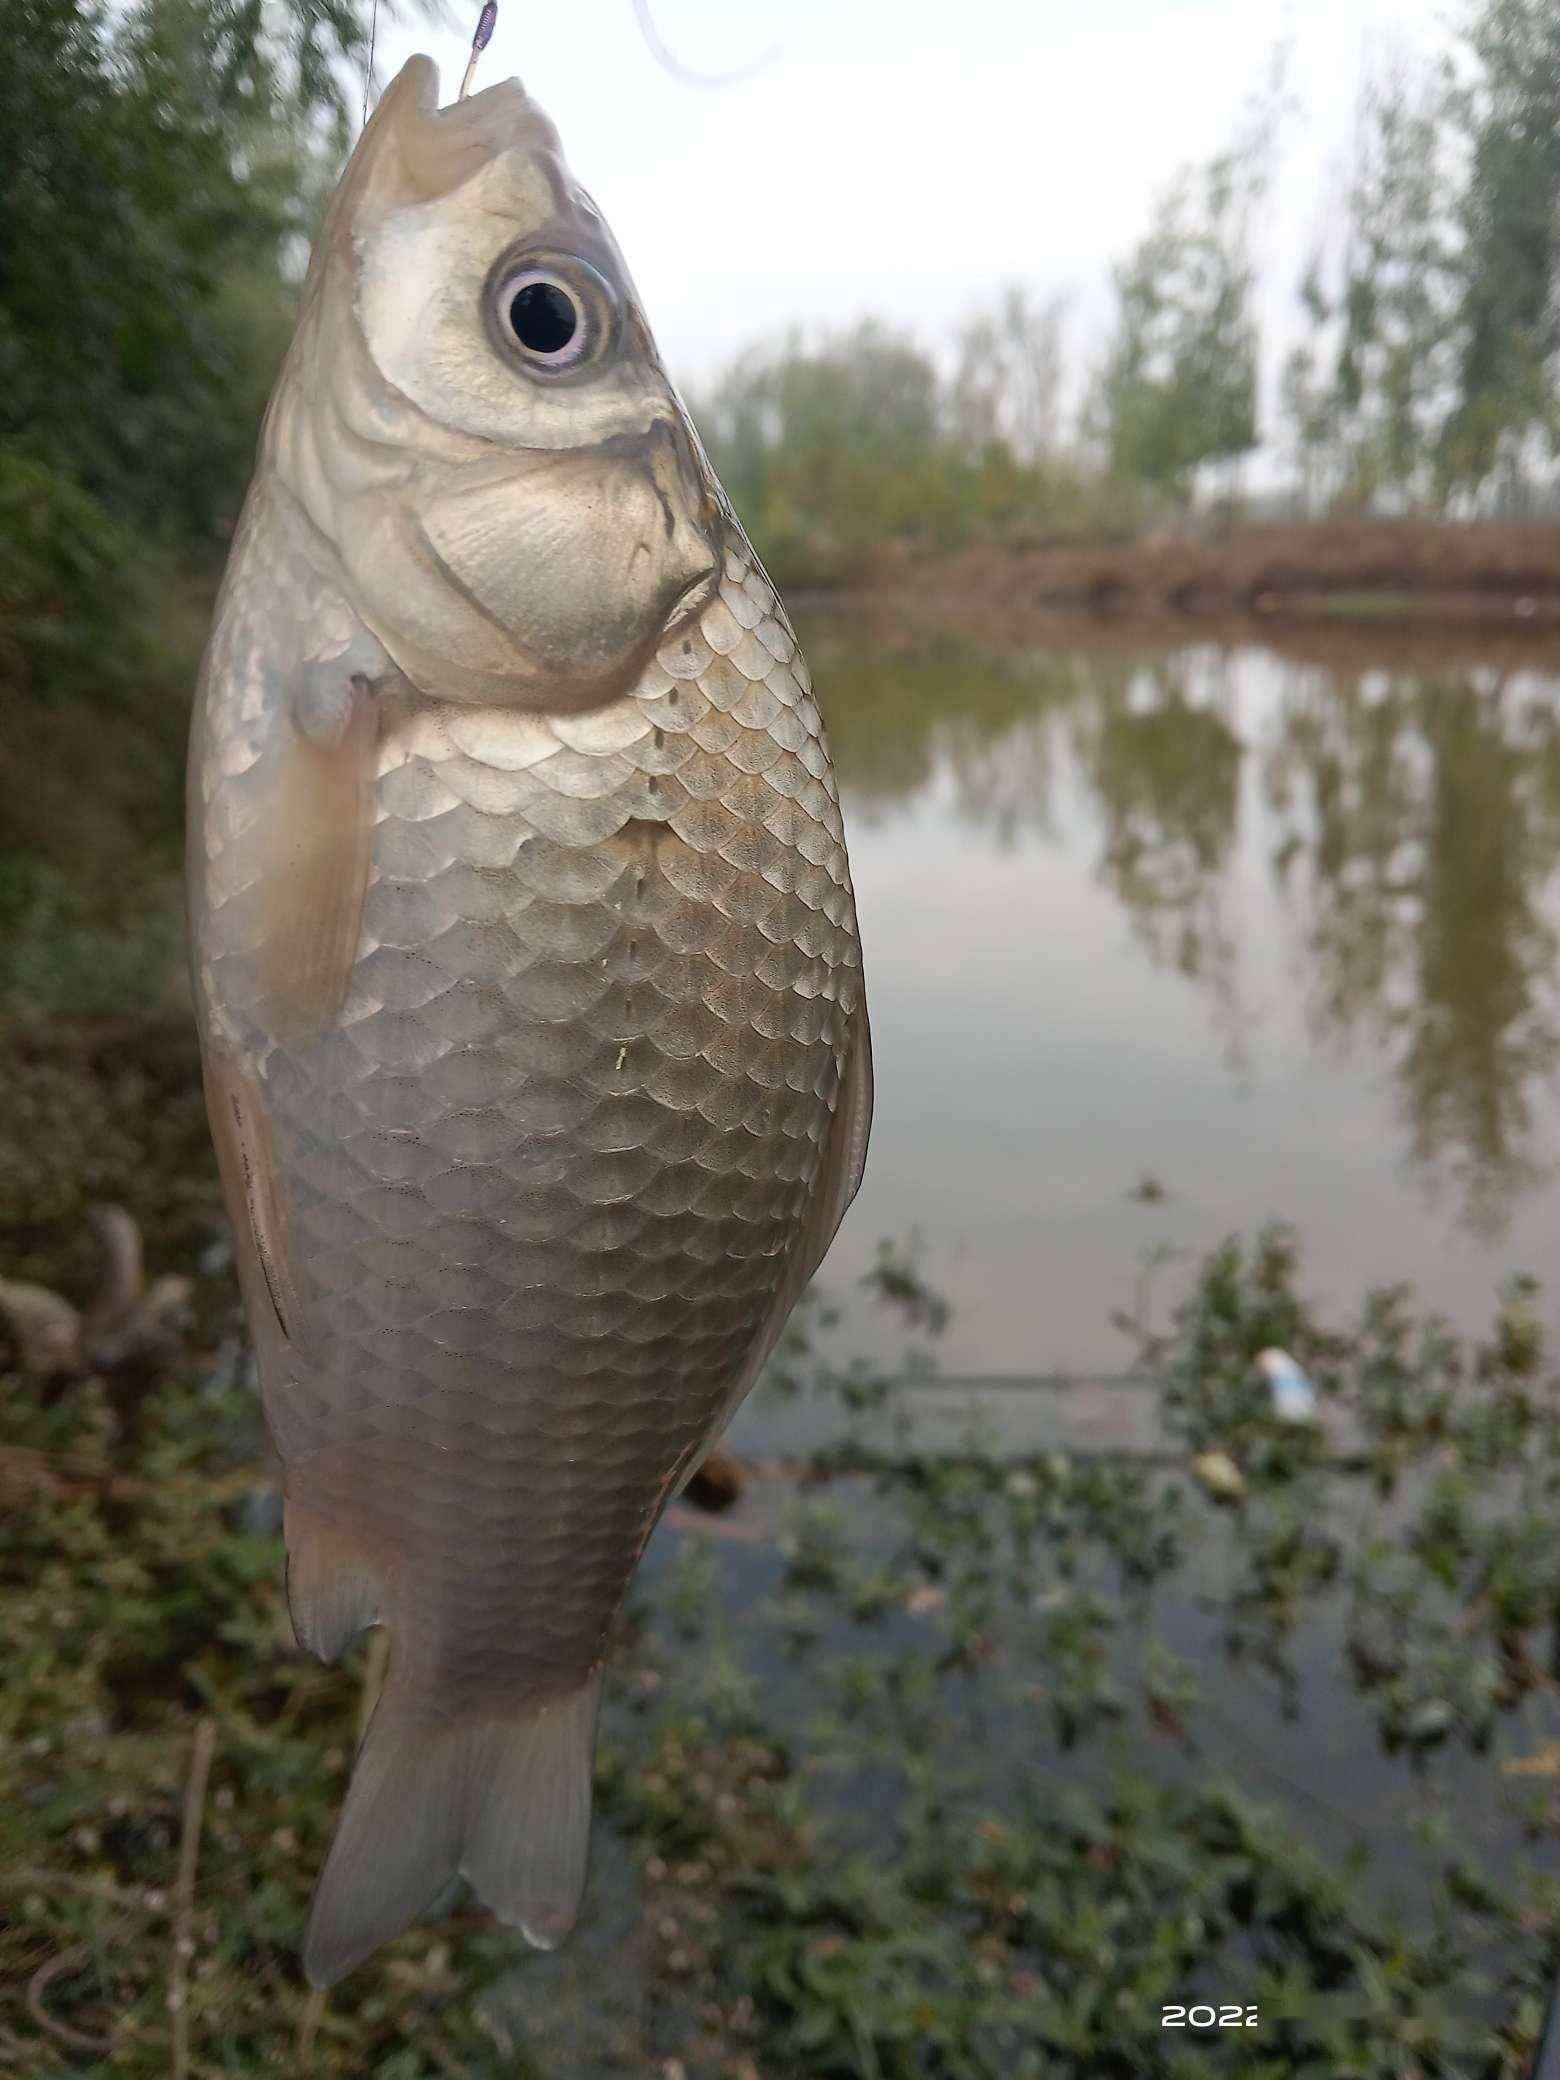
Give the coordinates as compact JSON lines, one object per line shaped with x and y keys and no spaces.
{"x":547,"y":1172}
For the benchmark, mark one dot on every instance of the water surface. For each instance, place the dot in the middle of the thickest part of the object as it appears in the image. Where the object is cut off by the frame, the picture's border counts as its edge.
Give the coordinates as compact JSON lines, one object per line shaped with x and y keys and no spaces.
{"x":1162,"y":943}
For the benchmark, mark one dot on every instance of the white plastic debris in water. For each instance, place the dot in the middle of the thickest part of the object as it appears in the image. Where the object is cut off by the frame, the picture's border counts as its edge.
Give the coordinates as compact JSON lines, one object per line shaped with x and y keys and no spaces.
{"x":1294,"y":1398}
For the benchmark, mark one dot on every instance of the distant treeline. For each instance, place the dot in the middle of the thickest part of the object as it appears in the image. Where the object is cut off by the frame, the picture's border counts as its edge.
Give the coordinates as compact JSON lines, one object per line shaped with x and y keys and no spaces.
{"x":162,"y":166}
{"x":835,"y":448}
{"x":1425,"y":374}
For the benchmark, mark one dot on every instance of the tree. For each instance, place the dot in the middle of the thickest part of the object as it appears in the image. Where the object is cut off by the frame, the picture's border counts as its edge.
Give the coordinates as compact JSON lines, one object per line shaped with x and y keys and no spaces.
{"x":1179,"y":384}
{"x":159,"y":165}
{"x":1007,"y":382}
{"x":1177,"y":389}
{"x":833,"y":447}
{"x":1365,"y":391}
{"x":145,"y":230}
{"x":1509,"y":301}
{"x":1308,"y":400}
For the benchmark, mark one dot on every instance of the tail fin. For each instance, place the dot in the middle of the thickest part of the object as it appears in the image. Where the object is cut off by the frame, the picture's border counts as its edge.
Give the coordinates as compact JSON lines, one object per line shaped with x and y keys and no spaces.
{"x":503,"y":1802}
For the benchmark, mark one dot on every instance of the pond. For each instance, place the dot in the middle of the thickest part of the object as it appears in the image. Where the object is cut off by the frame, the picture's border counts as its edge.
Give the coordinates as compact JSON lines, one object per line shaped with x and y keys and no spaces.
{"x":1164,"y":941}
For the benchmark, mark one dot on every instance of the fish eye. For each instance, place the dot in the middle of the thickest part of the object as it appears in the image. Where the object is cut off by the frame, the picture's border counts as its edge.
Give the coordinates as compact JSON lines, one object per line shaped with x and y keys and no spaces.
{"x":552,"y":315}
{"x":543,"y":316}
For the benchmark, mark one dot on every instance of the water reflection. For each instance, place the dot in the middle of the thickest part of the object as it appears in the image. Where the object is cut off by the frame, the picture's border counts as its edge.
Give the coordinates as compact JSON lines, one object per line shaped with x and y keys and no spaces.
{"x":900,"y":720}
{"x":1421,"y":832}
{"x":1153,"y":738}
{"x":1161,"y":755}
{"x":1366,"y":852}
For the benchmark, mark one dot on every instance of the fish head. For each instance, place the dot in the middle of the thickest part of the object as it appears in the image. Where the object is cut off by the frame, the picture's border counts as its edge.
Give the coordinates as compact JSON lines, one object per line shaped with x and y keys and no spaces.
{"x":476,"y":418}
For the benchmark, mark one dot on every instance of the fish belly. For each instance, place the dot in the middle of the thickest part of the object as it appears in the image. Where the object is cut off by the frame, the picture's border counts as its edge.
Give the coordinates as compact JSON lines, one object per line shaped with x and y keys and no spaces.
{"x":546,"y":1171}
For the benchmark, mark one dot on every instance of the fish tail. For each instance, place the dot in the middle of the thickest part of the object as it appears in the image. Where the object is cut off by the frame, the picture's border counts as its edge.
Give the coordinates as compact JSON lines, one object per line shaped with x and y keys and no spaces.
{"x":503,"y":1802}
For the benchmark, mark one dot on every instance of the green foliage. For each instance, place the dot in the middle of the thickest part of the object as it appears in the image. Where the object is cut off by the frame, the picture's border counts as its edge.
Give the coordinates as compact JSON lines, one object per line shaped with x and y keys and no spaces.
{"x":829,"y":450}
{"x":133,"y":210}
{"x":834,"y":448}
{"x":1179,"y":386}
{"x":64,"y":595}
{"x":159,"y":166}
{"x":1428,"y":371}
{"x":61,"y":965}
{"x":1366,"y":388}
{"x":1508,"y":210}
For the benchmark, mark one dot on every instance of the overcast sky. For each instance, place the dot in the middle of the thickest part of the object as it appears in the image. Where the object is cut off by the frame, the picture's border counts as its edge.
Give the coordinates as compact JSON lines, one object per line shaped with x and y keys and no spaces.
{"x":907,"y":157}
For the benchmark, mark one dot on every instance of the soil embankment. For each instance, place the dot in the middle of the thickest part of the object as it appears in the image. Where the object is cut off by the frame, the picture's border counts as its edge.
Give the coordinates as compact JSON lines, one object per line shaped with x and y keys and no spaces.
{"x":1489,"y":574}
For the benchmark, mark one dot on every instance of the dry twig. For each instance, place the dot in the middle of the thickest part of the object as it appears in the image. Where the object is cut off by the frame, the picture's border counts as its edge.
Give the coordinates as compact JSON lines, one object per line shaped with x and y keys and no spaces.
{"x":309,"y":2024}
{"x":201,"y":1752}
{"x":54,"y":1968}
{"x":28,"y":1877}
{"x":123,"y":1337}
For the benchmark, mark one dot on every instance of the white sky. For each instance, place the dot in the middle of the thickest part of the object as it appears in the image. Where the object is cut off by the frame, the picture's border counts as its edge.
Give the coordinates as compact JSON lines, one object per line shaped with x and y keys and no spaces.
{"x":908,"y":157}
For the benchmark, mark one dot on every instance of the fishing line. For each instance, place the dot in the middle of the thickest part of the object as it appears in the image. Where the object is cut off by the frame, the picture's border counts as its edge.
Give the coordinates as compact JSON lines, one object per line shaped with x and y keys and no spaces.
{"x":655,"y":42}
{"x":368,"y":70}
{"x":669,"y":62}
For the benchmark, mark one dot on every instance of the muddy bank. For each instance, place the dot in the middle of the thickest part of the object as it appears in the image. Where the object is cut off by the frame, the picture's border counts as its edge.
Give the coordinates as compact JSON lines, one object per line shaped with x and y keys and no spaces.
{"x":1480,"y":575}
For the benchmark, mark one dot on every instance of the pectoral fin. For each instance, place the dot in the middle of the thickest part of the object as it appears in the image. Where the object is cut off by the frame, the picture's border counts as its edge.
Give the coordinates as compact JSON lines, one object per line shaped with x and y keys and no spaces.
{"x":251,"y":1183}
{"x":316,"y":840}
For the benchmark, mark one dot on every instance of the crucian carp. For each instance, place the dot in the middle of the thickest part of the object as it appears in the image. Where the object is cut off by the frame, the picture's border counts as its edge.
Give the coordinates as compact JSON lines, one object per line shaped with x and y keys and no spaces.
{"x":528,"y":982}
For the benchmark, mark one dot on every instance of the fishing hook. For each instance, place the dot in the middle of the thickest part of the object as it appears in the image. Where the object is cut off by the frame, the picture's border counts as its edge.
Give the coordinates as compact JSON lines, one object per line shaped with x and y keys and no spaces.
{"x":479,"y":44}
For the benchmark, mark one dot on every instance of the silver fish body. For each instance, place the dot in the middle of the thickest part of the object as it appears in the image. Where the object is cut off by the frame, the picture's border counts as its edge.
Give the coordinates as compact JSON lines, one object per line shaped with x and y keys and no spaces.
{"x":528,"y":979}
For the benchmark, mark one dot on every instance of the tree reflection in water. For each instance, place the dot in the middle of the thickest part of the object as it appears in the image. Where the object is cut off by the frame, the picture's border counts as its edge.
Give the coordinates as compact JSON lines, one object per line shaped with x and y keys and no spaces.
{"x":1411,"y":823}
{"x":901,"y":720}
{"x":1422,"y":822}
{"x":1159,"y":752}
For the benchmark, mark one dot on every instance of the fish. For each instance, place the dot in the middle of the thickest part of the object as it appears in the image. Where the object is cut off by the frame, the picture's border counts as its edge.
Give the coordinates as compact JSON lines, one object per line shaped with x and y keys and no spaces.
{"x":528,"y":982}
